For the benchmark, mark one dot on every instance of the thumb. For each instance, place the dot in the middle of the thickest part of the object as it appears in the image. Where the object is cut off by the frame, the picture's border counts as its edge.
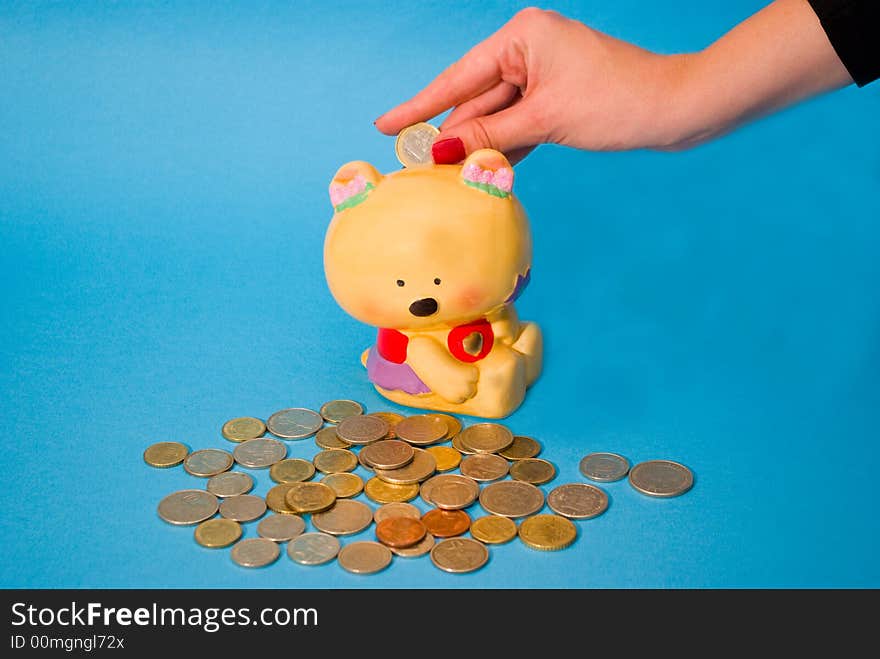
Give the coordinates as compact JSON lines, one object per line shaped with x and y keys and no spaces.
{"x":512,"y":129}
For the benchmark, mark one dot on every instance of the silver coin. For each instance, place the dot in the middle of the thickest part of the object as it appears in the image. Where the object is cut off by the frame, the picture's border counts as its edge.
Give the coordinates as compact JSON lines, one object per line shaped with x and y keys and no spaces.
{"x":453,"y":492}
{"x":459,"y":555}
{"x":511,"y":499}
{"x":396,"y":509}
{"x":313,"y":548}
{"x":362,"y":429}
{"x":255,"y":552}
{"x":208,"y":462}
{"x":421,"y":548}
{"x":230,"y":484}
{"x":259,"y":453}
{"x":484,"y":467}
{"x":294,"y":423}
{"x":413,"y":144}
{"x":661,"y":478}
{"x":188,"y":507}
{"x":578,"y":501}
{"x":422,"y":466}
{"x":388,"y":454}
{"x":364,"y":557}
{"x":344,"y":518}
{"x":281,"y":528}
{"x":243,"y":508}
{"x":604,"y":467}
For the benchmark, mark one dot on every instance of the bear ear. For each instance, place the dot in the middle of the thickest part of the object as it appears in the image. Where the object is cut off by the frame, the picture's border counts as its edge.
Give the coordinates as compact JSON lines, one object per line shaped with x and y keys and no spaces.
{"x":488,"y":170}
{"x":352,"y":183}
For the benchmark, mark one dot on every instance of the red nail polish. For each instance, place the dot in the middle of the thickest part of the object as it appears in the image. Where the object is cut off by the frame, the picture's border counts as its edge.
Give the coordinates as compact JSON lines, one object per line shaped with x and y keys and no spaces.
{"x":448,"y":151}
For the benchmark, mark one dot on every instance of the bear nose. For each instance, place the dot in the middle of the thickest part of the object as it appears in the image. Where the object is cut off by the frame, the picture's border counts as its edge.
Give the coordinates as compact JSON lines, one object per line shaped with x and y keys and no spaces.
{"x":424,"y":307}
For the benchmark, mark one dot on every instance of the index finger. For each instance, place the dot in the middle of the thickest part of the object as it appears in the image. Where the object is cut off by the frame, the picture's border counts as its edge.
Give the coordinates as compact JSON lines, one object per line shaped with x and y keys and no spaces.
{"x":478,"y":70}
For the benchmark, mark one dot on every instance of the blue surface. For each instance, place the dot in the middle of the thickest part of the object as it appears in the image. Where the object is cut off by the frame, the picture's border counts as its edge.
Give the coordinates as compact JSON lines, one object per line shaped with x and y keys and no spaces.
{"x":163,"y":175}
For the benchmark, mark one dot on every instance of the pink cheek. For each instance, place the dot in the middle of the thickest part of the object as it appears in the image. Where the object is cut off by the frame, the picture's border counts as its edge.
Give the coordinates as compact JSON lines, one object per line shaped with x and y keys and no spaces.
{"x":470,"y":298}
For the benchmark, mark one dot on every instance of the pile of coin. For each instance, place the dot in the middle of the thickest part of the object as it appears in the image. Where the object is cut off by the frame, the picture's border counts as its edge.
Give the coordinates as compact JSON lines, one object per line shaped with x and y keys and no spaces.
{"x":407,"y":457}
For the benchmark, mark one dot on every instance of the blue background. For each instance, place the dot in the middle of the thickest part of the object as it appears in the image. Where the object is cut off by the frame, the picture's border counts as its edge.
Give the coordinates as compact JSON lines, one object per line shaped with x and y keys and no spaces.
{"x":163,"y":176}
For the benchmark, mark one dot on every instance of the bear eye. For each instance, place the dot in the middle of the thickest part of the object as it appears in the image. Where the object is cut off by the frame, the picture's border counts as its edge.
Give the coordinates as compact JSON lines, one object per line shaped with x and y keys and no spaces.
{"x":437,"y":280}
{"x":400,"y":282}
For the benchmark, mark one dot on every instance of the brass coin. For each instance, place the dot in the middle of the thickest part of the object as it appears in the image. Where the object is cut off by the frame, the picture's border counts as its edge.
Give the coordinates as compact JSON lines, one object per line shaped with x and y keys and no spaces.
{"x":533,"y":470}
{"x":165,"y":454}
{"x":396,"y":509}
{"x":364,"y":557}
{"x":392,"y":419}
{"x":255,"y":552}
{"x":446,"y":523}
{"x":522,"y":448}
{"x":294,"y":423}
{"x":215,"y":533}
{"x":335,"y":411}
{"x":422,"y":466}
{"x":309,"y":497}
{"x":461,"y":448}
{"x":381,"y":492}
{"x":453,"y":425}
{"x":327,"y":438}
{"x":577,"y":501}
{"x":208,"y":462}
{"x":459,"y":555}
{"x":291,"y":470}
{"x":243,"y":508}
{"x":493,"y":529}
{"x":187,"y":507}
{"x":511,"y":498}
{"x":335,"y":460}
{"x":452,"y":492}
{"x":661,"y":478}
{"x":362,"y":429}
{"x":413,"y":144}
{"x":400,"y":531}
{"x":243,"y":428}
{"x":276,"y":499}
{"x":259,"y":453}
{"x":486,"y":437}
{"x":344,"y":518}
{"x":421,"y":548}
{"x":345,"y":485}
{"x":313,"y":548}
{"x":547,"y":532}
{"x":388,"y":454}
{"x":230,"y":484}
{"x":484,"y":467}
{"x":422,"y":429}
{"x":604,"y":467}
{"x":447,"y":458}
{"x":281,"y":528}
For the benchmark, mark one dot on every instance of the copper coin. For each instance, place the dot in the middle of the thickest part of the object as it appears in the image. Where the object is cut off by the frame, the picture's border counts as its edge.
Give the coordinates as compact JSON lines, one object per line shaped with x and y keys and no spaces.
{"x":422,"y":429}
{"x":484,"y":467}
{"x":400,"y":531}
{"x":532,"y":470}
{"x":364,"y":557}
{"x":344,"y":518}
{"x":362,"y":429}
{"x":461,"y":448}
{"x":396,"y":509}
{"x":422,"y":466}
{"x":446,"y":523}
{"x":388,"y":454}
{"x":522,"y":448}
{"x":421,"y":548}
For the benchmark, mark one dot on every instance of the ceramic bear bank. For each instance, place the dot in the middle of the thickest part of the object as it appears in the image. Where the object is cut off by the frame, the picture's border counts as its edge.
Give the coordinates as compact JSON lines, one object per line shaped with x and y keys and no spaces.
{"x":434,"y":256}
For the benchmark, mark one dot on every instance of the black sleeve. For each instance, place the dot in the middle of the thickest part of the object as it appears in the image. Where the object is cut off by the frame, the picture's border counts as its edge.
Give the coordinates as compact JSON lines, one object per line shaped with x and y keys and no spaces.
{"x":853,"y":27}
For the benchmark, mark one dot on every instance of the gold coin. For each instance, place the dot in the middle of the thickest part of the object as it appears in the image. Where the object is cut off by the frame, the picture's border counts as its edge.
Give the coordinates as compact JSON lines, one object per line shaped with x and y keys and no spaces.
{"x":242,"y":428}
{"x":388,"y":454}
{"x":447,"y":458}
{"x":453,"y":425}
{"x":217,"y":533}
{"x":547,"y":532}
{"x":309,"y":497}
{"x":522,"y":448}
{"x":396,"y":509}
{"x":392,"y":419}
{"x":165,"y":454}
{"x":422,"y":429}
{"x":208,"y":462}
{"x":362,"y":429}
{"x":345,"y":485}
{"x":276,"y":501}
{"x":291,"y":470}
{"x":422,"y":466}
{"x":493,"y":529}
{"x":461,"y":448}
{"x":335,"y":411}
{"x":459,"y":555}
{"x":484,"y":467}
{"x":532,"y":470}
{"x":383,"y":492}
{"x":327,"y":438}
{"x":344,"y":518}
{"x":486,"y":437}
{"x":413,"y":144}
{"x":335,"y":460}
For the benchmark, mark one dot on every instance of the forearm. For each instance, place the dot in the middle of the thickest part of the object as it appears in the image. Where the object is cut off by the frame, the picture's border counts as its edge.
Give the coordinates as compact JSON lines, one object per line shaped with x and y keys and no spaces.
{"x":777,"y":57}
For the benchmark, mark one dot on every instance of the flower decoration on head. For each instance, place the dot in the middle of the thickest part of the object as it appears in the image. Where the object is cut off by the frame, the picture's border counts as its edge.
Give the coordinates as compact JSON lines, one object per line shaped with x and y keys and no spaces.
{"x":497,"y":183}
{"x":346,"y":195}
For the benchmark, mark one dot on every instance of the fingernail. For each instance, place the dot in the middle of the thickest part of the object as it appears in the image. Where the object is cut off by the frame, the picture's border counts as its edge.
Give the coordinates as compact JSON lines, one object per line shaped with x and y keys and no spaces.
{"x":448,"y":151}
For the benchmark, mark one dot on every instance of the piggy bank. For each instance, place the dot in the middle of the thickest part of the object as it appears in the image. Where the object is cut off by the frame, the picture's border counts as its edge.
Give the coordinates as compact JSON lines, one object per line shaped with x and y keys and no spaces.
{"x":434,"y":257}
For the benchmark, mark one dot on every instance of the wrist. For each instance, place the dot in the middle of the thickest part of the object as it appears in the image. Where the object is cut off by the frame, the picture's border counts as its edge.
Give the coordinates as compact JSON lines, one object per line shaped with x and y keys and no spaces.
{"x":682,"y":115}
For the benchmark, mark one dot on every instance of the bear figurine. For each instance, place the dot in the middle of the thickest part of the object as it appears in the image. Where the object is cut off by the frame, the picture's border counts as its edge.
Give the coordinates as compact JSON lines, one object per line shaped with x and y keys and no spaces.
{"x":434,"y":256}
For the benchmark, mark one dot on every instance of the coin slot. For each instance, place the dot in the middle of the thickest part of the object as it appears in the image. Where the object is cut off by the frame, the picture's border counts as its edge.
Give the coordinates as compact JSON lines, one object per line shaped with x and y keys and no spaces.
{"x":473,"y":343}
